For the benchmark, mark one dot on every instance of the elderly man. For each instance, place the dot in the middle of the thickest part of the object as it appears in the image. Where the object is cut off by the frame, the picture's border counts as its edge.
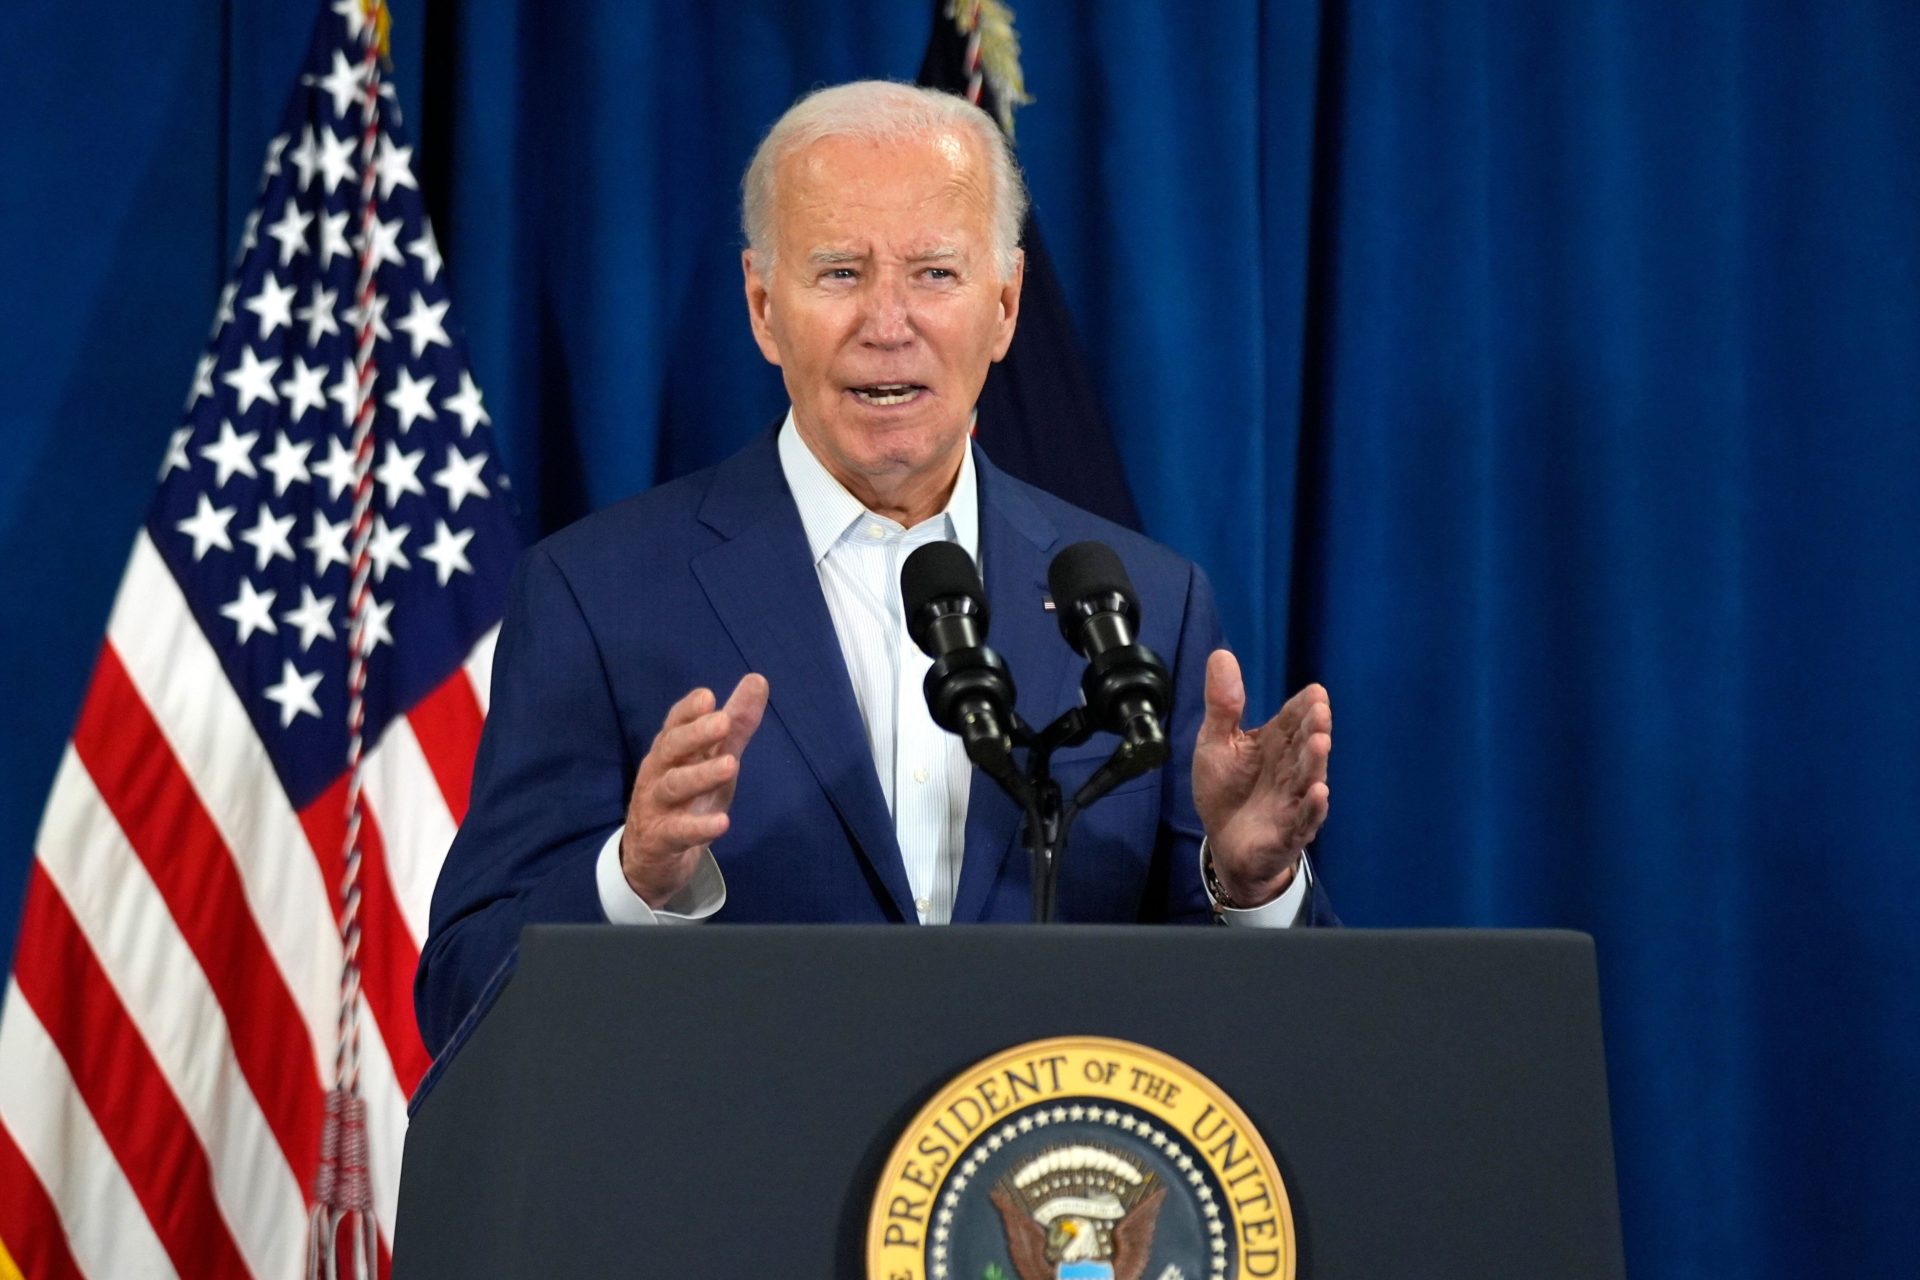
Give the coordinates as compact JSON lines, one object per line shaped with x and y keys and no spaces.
{"x":883,"y":277}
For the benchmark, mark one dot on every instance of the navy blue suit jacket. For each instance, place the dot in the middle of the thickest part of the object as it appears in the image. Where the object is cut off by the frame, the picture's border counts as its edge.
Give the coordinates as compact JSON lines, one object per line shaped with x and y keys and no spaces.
{"x":700,"y":581}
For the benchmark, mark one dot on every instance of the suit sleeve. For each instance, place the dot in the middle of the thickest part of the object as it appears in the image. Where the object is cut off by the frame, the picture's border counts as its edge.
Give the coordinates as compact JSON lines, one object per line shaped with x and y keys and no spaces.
{"x":550,"y":784}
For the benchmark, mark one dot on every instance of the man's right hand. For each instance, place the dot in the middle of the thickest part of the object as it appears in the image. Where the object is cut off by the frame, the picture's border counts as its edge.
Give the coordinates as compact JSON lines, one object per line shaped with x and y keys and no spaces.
{"x":681,"y":794}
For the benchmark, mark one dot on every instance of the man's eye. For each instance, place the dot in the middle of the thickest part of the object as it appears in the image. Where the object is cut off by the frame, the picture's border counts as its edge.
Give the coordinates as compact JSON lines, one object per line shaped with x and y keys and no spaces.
{"x":940,"y":273}
{"x":840,"y":273}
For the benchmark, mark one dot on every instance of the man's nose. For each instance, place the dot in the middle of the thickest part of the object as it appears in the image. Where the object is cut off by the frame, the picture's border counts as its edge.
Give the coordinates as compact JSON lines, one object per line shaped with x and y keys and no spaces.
{"x":889,"y":319}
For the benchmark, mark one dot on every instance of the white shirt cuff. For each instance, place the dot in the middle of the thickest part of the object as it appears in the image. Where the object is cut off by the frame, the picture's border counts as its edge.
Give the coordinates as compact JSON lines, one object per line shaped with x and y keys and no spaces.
{"x":1282,"y":913}
{"x":703,"y":895}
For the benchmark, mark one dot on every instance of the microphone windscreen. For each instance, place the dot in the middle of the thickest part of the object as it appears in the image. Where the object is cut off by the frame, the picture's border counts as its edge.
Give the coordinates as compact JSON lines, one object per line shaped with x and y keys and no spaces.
{"x":1085,"y":569}
{"x":940,"y":571}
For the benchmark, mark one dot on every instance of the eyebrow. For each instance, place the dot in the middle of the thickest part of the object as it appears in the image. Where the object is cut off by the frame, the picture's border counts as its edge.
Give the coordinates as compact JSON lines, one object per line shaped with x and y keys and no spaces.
{"x":840,"y":257}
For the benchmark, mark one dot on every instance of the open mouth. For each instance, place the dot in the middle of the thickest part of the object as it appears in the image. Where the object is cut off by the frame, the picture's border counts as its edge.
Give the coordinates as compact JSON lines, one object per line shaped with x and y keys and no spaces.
{"x":883,"y":394}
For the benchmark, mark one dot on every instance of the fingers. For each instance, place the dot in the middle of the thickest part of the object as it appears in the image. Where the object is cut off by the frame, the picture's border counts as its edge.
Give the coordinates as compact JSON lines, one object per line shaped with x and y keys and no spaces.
{"x":689,"y":782}
{"x":1309,"y":817}
{"x":1226,"y":699}
{"x":1302,"y":708}
{"x":684,"y":785}
{"x":745,"y":707}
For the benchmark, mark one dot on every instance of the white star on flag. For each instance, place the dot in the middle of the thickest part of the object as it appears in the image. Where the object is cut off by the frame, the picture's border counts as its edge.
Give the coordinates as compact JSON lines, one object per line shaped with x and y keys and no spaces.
{"x":305,"y":157}
{"x":253,"y":380}
{"x":409,"y":400}
{"x":318,"y":313}
{"x":346,"y":393}
{"x":231,"y":455}
{"x":467,"y":405}
{"x":327,"y":542}
{"x":223,"y":310}
{"x":424,"y":324}
{"x":273,"y":304}
{"x":400,"y":473}
{"x":352,"y":315}
{"x":294,"y":693}
{"x":425,"y":248}
{"x":345,"y":82}
{"x":268,"y":537}
{"x":386,"y":547}
{"x":291,"y":232}
{"x":394,"y":166}
{"x":250,"y":611}
{"x":336,"y":159}
{"x":333,"y":238}
{"x":202,"y":380}
{"x":372,"y":630}
{"x":461,"y":477}
{"x":314,"y":617}
{"x":303,"y":389}
{"x":207,"y":526}
{"x":337,"y":470}
{"x":448,"y":551}
{"x":385,"y":237}
{"x":287,"y":463}
{"x":176,"y":459}
{"x":270,"y":168}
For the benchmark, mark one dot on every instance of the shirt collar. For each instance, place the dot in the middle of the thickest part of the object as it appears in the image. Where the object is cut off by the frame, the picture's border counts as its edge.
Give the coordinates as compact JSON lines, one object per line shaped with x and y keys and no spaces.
{"x":827,"y":510}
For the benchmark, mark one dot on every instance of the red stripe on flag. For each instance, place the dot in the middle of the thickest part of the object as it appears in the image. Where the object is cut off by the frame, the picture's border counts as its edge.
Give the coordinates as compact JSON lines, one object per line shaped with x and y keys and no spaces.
{"x":388,"y":956}
{"x":122,"y":1085}
{"x":447,"y":723}
{"x":156,"y":805}
{"x":30,"y":1229}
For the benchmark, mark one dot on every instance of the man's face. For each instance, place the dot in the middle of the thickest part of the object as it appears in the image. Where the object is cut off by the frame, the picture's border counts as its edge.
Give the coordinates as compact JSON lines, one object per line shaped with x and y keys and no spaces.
{"x":884,"y":308}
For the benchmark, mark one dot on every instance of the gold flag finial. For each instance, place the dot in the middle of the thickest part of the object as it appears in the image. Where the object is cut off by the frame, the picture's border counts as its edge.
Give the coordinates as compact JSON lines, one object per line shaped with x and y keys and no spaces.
{"x":376,"y":13}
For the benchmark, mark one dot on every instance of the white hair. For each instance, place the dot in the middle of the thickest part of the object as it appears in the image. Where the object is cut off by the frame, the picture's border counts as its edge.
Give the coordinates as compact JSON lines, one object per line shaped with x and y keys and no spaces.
{"x":882,"y":111}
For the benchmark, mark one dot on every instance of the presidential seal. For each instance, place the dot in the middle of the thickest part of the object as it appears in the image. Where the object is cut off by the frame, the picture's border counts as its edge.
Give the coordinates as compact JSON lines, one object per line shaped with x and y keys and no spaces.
{"x":1080,"y":1158}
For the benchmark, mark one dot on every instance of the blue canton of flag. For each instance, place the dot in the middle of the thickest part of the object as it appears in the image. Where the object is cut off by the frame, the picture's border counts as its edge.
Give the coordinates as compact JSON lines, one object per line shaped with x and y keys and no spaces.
{"x":254,"y":510}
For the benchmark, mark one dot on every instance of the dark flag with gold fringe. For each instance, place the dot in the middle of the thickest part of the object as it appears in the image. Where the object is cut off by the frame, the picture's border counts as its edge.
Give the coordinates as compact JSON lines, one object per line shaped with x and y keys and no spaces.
{"x":1040,"y":417}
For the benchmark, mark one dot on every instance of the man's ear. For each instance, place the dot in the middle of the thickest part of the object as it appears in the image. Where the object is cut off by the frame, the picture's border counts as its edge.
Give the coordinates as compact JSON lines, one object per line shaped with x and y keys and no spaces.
{"x":759,"y":308}
{"x":1010,"y":306}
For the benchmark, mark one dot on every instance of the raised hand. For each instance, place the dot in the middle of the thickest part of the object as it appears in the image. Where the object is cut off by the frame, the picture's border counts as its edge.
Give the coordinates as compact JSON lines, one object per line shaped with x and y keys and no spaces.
{"x":1261,"y":793}
{"x":683,"y":788}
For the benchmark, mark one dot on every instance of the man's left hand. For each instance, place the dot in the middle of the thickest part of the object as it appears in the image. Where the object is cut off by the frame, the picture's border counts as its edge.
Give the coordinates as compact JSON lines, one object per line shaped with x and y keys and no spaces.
{"x":1261,"y":793}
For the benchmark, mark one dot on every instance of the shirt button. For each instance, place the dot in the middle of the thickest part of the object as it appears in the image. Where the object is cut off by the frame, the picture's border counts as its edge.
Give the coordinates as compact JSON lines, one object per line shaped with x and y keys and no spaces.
{"x":922,"y":905}
{"x":875,"y":531}
{"x":921,"y":774}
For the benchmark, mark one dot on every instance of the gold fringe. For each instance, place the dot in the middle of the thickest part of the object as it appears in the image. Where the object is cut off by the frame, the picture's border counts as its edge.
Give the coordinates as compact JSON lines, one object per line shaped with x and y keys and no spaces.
{"x":999,"y":52}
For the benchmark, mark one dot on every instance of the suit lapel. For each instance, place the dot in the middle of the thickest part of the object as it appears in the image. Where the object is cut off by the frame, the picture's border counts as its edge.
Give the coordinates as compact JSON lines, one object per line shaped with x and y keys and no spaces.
{"x":765,"y":592}
{"x":1015,"y":542}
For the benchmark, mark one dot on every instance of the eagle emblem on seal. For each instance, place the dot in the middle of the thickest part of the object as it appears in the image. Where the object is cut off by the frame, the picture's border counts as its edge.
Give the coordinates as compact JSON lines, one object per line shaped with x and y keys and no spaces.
{"x":1079,"y":1212}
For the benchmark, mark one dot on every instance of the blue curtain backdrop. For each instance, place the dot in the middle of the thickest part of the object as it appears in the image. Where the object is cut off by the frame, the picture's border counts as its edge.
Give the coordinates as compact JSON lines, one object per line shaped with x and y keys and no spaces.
{"x":1545,"y":378}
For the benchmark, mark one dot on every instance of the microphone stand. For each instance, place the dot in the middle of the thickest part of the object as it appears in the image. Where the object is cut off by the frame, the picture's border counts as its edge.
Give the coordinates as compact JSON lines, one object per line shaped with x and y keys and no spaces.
{"x":1049,"y":816}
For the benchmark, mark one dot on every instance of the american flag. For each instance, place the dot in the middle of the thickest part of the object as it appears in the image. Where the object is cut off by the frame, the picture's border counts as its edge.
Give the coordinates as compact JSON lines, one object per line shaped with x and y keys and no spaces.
{"x":172,"y":1019}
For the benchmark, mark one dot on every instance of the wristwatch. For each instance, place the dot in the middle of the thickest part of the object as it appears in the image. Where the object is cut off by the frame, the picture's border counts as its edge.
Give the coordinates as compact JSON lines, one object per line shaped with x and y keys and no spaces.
{"x":1222,"y":900}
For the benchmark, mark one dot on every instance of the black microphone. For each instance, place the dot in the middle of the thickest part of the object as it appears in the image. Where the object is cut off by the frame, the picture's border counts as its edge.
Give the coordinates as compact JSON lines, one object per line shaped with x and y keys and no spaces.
{"x":1125,"y":685}
{"x":969,"y":689}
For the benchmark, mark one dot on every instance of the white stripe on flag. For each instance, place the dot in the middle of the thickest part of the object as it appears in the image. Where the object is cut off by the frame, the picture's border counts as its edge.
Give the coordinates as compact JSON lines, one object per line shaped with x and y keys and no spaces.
{"x":107,"y":1229}
{"x":480,"y":666}
{"x":196,"y":708}
{"x":180,"y":678}
{"x":162,"y":988}
{"x":414,"y":821}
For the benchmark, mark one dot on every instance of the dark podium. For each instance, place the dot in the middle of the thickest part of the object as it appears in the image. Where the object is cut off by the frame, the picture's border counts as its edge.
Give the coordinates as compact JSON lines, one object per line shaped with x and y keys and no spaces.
{"x":720,"y":1102}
